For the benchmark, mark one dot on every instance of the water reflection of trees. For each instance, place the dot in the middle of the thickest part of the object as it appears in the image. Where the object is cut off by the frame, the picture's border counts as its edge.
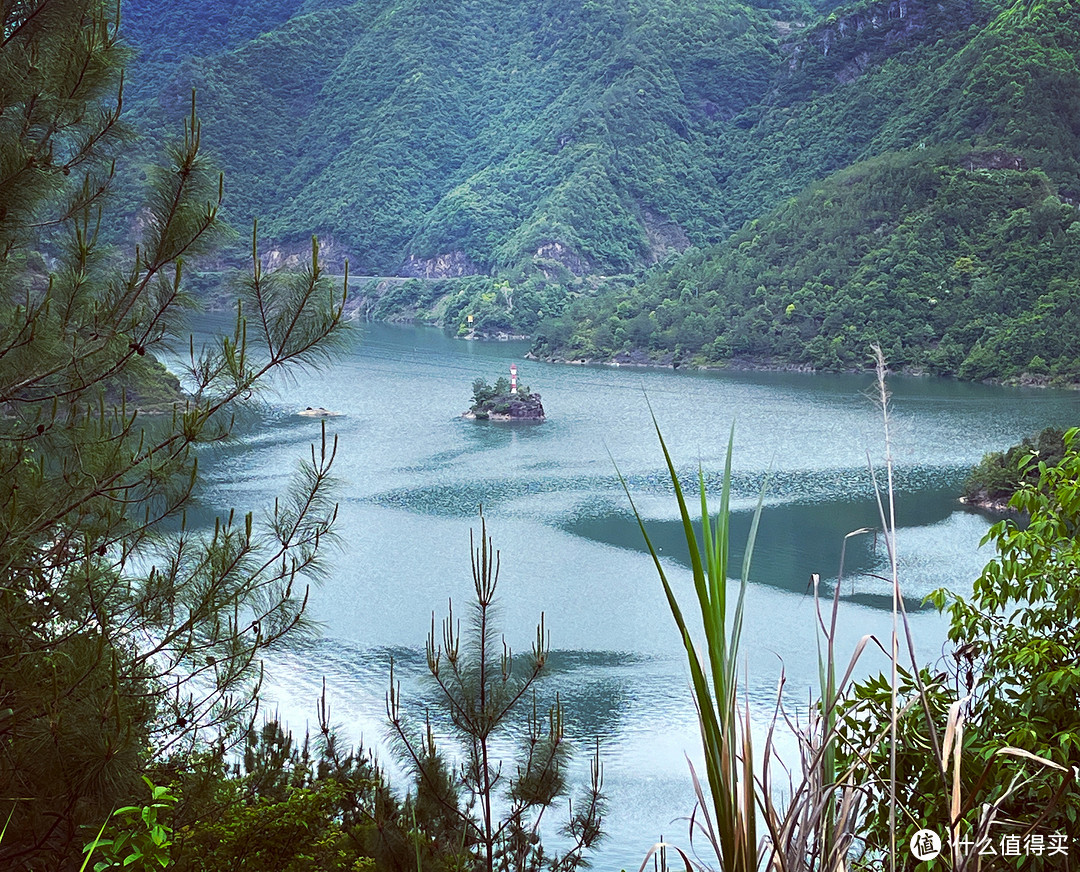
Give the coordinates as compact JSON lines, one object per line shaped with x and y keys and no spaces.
{"x":794,"y":539}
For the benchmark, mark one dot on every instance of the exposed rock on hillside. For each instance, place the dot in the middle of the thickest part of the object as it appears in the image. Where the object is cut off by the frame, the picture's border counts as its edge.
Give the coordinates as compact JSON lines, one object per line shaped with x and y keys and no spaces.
{"x":874,"y":29}
{"x":562,"y":255}
{"x":453,"y":264}
{"x":664,"y":236}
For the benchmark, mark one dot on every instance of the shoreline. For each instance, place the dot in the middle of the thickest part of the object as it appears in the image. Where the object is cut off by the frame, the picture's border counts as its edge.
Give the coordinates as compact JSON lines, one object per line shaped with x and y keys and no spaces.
{"x":743,"y":364}
{"x":997,"y":506}
{"x":640,"y":360}
{"x":503,"y":418}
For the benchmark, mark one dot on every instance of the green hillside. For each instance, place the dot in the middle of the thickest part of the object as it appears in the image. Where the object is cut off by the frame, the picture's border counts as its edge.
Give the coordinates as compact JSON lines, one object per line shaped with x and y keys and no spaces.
{"x":550,"y":153}
{"x":489,"y":129}
{"x":958,"y":258}
{"x":951,"y":265}
{"x":167,"y":34}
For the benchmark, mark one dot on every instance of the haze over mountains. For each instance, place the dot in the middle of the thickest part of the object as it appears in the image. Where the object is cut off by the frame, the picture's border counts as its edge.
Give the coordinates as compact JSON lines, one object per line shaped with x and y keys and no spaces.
{"x":541,"y":146}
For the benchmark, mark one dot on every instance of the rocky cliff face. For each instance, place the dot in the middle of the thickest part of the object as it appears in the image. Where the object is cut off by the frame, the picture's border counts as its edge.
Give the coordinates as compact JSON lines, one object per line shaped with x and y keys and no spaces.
{"x":559,"y":254}
{"x":332,"y":255}
{"x":993,"y":159}
{"x":453,"y":264}
{"x":526,"y":410}
{"x":664,"y":236}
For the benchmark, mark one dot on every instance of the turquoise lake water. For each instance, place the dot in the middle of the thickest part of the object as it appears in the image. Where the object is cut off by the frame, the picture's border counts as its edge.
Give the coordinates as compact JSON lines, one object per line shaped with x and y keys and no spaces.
{"x":412,"y":474}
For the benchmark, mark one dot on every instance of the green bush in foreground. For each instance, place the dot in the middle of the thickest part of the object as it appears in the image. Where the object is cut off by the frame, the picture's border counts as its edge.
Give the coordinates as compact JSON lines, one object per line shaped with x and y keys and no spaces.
{"x":1021,"y":633}
{"x":312,"y":807}
{"x":1012,"y":706}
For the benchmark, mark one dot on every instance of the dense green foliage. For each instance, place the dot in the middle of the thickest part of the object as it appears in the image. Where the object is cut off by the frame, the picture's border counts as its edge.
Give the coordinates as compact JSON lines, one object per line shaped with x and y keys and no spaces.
{"x":939,"y":248}
{"x":952,"y":268}
{"x":492,"y":129}
{"x":497,"y":307}
{"x":314,"y":807}
{"x":1019,"y":629}
{"x":218,"y":27}
{"x":1013,"y":685}
{"x":999,"y":475}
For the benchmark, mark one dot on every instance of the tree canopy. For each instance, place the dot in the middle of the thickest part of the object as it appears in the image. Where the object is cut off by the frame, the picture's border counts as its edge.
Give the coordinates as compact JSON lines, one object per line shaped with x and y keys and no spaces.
{"x":124,"y":635}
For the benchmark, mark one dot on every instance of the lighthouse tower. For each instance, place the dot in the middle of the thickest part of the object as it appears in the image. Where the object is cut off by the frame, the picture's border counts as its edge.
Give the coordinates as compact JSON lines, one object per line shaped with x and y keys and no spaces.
{"x":513,"y":378}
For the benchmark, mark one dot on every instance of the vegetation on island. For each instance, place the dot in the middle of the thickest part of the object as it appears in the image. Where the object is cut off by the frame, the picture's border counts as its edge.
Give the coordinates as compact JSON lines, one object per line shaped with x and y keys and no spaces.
{"x":1000,"y":475}
{"x":497,"y":401}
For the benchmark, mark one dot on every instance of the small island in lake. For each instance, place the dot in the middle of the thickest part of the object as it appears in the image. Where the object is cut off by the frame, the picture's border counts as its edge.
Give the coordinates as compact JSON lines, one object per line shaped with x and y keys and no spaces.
{"x":319,"y":412}
{"x":504,"y":401}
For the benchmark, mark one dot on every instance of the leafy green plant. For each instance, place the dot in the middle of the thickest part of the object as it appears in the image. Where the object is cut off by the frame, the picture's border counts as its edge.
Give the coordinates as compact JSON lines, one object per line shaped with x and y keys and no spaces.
{"x":1018,"y":635}
{"x":729,"y":819}
{"x":313,"y":806}
{"x":136,"y":837}
{"x":942,"y":757}
{"x":816,"y":827}
{"x":1000,"y":474}
{"x":482,"y":392}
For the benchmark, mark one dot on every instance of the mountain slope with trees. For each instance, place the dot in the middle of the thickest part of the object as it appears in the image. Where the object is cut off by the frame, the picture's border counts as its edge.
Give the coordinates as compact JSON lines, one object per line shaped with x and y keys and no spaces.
{"x":952,"y":266}
{"x":548,"y":163}
{"x":490,"y":129}
{"x":958,"y":258}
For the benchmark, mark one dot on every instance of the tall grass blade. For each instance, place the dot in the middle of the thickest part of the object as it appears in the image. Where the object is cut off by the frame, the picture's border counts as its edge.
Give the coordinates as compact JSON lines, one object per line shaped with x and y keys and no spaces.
{"x":729,"y":811}
{"x":89,"y":849}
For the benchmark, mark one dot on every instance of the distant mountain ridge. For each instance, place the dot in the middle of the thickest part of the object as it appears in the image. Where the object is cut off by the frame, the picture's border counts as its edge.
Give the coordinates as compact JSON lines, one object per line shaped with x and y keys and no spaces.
{"x":409,"y":129}
{"x":531,"y":152}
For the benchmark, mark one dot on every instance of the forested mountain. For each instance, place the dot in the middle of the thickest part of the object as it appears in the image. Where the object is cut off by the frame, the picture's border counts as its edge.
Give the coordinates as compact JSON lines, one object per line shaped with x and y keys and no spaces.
{"x":957,"y":259}
{"x":951,"y":265}
{"x":481,"y":130}
{"x":560,"y":150}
